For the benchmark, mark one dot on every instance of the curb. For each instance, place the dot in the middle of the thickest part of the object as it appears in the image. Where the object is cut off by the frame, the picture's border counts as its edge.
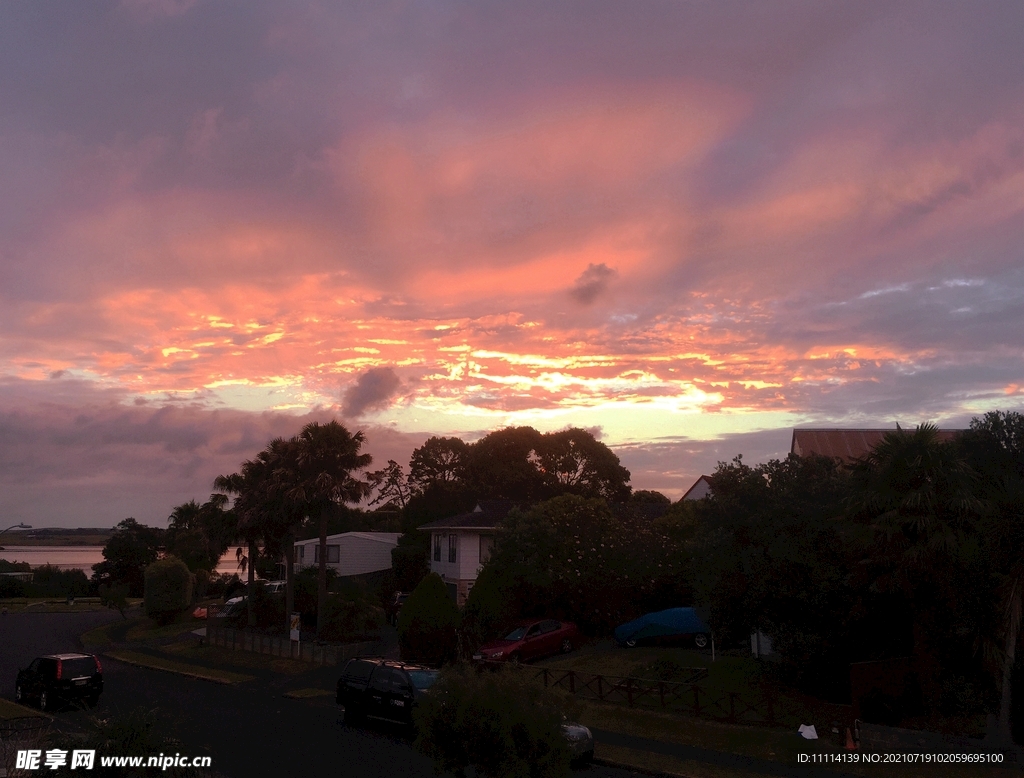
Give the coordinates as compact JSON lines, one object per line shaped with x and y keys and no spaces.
{"x":185,"y":673}
{"x":633,"y":768}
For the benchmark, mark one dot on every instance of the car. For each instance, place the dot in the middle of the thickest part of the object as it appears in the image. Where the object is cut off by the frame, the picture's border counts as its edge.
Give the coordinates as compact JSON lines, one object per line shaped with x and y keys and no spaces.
{"x":383,"y":689}
{"x":274,"y":587}
{"x":674,"y":625}
{"x":531,"y":640}
{"x":57,"y":679}
{"x":394,"y":607}
{"x":580,"y":740}
{"x":231,"y":608}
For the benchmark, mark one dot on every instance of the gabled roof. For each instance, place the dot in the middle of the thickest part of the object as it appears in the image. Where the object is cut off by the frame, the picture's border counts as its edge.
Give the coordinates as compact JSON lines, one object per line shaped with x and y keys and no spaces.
{"x":845,"y":444}
{"x":485,"y":515}
{"x":701,"y":488}
{"x":391,"y":538}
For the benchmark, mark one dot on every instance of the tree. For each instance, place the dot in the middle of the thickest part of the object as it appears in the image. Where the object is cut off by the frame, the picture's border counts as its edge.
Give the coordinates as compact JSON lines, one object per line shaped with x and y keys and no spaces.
{"x":439,"y":461}
{"x":391,"y":484}
{"x":505,"y":465}
{"x":200,"y":534}
{"x":428,"y":623}
{"x":994,"y":447}
{"x":326,"y":455}
{"x":575,"y":462}
{"x":130,"y":550}
{"x":168,"y":589}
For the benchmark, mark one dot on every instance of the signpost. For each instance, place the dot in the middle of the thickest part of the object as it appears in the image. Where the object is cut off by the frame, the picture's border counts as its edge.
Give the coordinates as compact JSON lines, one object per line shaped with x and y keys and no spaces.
{"x":293,"y":625}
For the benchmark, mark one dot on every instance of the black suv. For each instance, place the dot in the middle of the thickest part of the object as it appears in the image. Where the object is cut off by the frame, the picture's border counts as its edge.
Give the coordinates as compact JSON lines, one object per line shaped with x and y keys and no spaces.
{"x":382,"y":689}
{"x":60,"y":678}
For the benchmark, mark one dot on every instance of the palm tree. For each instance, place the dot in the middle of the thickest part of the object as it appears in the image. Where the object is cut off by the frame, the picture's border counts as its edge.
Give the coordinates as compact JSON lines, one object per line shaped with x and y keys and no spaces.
{"x":918,"y":496}
{"x":321,"y":477}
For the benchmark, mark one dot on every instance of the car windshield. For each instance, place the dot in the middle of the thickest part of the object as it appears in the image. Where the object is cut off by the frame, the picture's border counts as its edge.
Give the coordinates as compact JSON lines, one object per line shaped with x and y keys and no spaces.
{"x":517,"y":634}
{"x":422,"y":679}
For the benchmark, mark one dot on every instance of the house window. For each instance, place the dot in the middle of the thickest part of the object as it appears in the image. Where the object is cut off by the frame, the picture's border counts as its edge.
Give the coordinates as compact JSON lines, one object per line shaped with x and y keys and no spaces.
{"x":486,"y":546}
{"x":453,"y":541}
{"x":300,"y":552}
{"x":437,"y":548}
{"x":333,"y":554}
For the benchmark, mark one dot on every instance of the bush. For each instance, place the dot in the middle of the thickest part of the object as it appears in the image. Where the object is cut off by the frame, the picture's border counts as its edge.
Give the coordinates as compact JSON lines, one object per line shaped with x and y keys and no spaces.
{"x":493,"y":721}
{"x":351,"y":620}
{"x":135,"y":733}
{"x":12,"y":587}
{"x":428,"y":624}
{"x":168,"y":589}
{"x":51,"y":581}
{"x":488,"y":610}
{"x":115,"y":597}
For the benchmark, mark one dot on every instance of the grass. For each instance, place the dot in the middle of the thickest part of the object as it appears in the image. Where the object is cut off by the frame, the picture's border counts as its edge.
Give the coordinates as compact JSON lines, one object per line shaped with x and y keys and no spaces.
{"x":50,"y":605}
{"x":11,"y":710}
{"x":771,"y":744}
{"x":145,"y":628}
{"x":302,"y":694}
{"x":181,"y":668}
{"x":189,"y":649}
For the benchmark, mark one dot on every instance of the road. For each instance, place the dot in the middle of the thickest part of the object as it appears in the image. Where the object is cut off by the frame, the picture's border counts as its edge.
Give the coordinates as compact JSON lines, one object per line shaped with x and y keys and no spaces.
{"x":248,"y":729}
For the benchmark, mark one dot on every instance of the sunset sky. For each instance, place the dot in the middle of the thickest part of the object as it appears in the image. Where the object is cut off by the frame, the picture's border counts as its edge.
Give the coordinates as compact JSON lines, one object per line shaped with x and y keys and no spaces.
{"x":685,"y":226}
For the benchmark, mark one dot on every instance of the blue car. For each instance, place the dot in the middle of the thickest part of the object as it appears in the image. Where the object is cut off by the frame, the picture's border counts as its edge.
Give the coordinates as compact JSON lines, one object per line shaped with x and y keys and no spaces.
{"x":675,"y":625}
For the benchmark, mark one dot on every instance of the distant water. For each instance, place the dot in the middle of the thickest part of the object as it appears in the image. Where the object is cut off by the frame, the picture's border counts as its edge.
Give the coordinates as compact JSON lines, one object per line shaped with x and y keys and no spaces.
{"x":84,"y":557}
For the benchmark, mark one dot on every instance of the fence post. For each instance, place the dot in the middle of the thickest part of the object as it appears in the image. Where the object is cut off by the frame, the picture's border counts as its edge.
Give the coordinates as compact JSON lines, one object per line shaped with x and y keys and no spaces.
{"x":696,"y":700}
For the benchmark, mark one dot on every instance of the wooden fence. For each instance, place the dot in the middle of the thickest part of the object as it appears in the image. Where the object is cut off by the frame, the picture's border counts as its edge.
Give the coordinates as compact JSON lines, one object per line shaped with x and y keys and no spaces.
{"x":240,"y":640}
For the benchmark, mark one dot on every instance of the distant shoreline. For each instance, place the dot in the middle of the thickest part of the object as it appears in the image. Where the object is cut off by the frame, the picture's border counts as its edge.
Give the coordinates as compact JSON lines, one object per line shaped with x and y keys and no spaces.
{"x":88,"y":542}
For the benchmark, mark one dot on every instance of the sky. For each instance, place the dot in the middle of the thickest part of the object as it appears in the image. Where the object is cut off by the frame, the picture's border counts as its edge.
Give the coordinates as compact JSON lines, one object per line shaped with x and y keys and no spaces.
{"x":685,"y":226}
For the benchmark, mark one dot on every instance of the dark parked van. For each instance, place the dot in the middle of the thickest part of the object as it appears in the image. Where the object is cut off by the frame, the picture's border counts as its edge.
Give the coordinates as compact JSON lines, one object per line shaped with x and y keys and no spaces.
{"x":382,"y":689}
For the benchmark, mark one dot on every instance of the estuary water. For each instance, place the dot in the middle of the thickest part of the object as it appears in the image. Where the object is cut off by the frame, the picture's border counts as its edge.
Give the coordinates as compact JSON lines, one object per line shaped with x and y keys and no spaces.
{"x":84,"y":557}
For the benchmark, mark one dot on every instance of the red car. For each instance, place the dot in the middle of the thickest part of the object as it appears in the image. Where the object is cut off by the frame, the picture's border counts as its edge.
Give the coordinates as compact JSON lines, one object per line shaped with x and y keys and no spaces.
{"x":530,"y":640}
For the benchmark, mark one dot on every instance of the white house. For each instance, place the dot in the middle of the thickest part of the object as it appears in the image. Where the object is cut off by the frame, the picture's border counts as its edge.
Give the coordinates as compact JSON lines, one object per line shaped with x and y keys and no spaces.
{"x":701,"y":488}
{"x":349,"y":553}
{"x":460,"y":545}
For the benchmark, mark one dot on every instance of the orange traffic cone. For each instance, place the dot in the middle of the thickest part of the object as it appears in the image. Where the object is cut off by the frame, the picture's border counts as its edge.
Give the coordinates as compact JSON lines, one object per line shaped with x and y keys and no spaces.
{"x":850,"y":745}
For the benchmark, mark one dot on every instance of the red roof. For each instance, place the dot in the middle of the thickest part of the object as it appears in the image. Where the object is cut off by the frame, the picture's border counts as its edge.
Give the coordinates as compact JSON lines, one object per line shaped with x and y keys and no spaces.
{"x":847,"y":445}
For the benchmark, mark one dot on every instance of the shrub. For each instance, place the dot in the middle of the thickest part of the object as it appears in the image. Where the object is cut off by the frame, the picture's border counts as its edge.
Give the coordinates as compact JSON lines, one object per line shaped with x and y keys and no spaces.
{"x":488,"y":610}
{"x":351,"y":620}
{"x":115,"y":597}
{"x":11,"y":587}
{"x":427,"y":626}
{"x":51,"y":581}
{"x":493,"y":721}
{"x":168,"y":589}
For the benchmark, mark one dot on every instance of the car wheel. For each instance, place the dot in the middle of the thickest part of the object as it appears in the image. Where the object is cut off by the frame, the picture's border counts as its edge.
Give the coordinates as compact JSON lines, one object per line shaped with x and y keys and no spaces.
{"x":44,"y":702}
{"x":631,"y":643}
{"x":701,"y":640}
{"x":353,"y":716}
{"x":566,"y":646}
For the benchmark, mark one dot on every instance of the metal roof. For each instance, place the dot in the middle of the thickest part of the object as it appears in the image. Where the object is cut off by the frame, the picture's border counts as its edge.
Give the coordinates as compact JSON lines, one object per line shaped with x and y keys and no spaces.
{"x":486,"y":515}
{"x":845,"y":444}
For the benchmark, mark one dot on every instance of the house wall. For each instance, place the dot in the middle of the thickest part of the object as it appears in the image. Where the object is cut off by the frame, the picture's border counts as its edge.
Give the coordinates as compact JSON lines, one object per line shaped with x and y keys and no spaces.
{"x":356,"y":555}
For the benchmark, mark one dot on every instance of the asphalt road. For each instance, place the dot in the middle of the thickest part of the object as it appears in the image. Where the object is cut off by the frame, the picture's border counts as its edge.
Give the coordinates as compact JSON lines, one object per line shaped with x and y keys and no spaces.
{"x":248,"y":729}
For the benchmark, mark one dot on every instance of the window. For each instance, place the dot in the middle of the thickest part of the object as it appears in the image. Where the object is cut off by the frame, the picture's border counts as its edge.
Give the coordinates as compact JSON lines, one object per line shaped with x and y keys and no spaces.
{"x":453,"y":541}
{"x":549,"y":626}
{"x":486,"y":546}
{"x":333,"y":554}
{"x":437,"y":548}
{"x":300,"y":553}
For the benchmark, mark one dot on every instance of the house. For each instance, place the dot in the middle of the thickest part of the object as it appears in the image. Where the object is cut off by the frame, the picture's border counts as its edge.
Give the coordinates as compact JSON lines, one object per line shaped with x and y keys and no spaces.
{"x":701,"y":488}
{"x":349,"y":553}
{"x":460,"y":545}
{"x":845,"y":444}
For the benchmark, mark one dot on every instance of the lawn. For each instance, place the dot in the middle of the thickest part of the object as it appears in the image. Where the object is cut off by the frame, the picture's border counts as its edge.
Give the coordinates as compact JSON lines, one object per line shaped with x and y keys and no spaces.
{"x":181,"y":668}
{"x":190,"y":649}
{"x":11,"y":710}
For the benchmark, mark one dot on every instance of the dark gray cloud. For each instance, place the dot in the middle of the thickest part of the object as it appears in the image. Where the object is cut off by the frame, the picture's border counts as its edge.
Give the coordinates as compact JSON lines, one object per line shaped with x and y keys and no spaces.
{"x":373,"y":390}
{"x":592,"y":283}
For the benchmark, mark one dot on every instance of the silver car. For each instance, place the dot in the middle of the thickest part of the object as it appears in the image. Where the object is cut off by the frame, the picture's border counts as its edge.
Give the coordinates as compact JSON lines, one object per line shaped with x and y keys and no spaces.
{"x":581,"y":741}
